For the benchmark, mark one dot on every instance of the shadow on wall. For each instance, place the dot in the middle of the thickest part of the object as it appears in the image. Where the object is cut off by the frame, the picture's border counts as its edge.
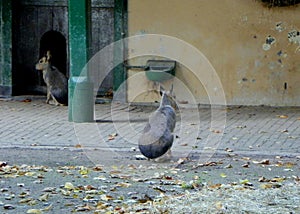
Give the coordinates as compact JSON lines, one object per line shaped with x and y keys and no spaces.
{"x":280,"y":3}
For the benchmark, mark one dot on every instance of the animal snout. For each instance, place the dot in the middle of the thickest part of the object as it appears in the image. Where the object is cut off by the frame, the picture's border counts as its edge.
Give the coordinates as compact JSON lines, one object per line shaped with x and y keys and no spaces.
{"x":38,"y":66}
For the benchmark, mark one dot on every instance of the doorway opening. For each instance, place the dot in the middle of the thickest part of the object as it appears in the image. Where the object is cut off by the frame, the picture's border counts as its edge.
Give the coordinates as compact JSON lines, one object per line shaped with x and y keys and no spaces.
{"x":55,"y":42}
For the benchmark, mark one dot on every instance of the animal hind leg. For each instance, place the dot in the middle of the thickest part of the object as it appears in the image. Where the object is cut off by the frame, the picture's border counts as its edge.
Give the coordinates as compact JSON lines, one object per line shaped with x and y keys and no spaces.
{"x":55,"y":101}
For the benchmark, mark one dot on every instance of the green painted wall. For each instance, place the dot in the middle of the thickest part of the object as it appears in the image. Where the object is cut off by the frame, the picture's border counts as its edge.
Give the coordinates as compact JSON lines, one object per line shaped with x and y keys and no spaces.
{"x":5,"y":48}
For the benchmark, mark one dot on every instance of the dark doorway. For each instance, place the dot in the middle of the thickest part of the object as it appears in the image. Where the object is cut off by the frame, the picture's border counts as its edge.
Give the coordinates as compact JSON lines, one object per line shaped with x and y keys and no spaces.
{"x":55,"y":42}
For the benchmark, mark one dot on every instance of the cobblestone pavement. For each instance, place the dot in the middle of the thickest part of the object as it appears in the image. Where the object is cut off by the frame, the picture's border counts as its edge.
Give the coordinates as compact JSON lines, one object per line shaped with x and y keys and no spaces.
{"x":248,"y":130}
{"x":31,"y":124}
{"x":240,"y":160}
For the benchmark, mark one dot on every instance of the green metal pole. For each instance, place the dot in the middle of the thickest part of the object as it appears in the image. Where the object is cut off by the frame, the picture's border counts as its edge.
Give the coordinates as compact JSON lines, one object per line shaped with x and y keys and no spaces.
{"x":119,"y":73}
{"x":81,"y":105}
{"x":5,"y":48}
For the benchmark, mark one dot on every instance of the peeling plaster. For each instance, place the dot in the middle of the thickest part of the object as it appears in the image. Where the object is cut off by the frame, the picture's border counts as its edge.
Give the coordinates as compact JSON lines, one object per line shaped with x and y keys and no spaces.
{"x":270,"y":40}
{"x":294,"y":37}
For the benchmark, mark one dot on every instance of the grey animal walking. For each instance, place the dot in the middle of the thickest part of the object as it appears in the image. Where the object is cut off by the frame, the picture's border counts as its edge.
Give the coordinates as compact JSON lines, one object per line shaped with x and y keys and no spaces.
{"x":56,"y":82}
{"x":157,"y":137}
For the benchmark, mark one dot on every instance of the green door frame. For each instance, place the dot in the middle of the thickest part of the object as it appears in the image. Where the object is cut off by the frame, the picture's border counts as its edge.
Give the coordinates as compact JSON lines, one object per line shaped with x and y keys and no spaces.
{"x":6,"y":48}
{"x":120,"y":32}
{"x":81,"y":105}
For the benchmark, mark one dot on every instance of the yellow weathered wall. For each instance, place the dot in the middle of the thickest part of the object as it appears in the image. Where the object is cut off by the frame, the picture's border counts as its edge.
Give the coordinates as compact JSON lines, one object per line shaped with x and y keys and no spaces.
{"x":231,"y":34}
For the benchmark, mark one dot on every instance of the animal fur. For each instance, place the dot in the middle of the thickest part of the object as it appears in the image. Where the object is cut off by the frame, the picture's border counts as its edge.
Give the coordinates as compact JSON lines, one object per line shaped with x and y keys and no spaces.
{"x":157,"y":137}
{"x":56,"y":82}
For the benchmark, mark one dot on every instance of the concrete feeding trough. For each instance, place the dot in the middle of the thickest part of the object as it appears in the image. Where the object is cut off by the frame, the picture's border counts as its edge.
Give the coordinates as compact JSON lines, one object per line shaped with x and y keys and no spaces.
{"x":157,"y":70}
{"x":160,"y":70}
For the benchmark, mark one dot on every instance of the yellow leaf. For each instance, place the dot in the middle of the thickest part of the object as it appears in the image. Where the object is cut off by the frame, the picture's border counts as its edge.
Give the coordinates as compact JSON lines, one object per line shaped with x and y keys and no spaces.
{"x":219,"y":205}
{"x":289,"y":164}
{"x":223,"y":175}
{"x":266,"y":186}
{"x":34,"y":211}
{"x":84,"y":171}
{"x":29,"y":174}
{"x":282,"y":116}
{"x":277,"y":179}
{"x":245,"y":181}
{"x":69,"y":186}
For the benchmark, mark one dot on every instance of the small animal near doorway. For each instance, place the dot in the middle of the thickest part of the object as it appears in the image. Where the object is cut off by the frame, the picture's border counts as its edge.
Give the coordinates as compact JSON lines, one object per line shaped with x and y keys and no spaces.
{"x":55,"y":42}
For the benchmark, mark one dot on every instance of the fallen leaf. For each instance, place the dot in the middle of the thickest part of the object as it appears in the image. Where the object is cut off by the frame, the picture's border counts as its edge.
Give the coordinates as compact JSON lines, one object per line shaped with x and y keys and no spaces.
{"x":23,"y":194}
{"x":246,"y":158}
{"x":84,"y":170}
{"x":98,"y":168}
{"x":34,"y":211}
{"x":215,"y":186}
{"x":228,"y":150}
{"x":277,"y":179}
{"x":223,"y":175}
{"x":270,"y":185}
{"x":246,"y":165}
{"x":263,"y":179}
{"x":49,"y":189}
{"x":44,"y":197}
{"x":69,"y":186}
{"x":264,"y":162}
{"x":27,"y":100}
{"x":30,"y":174}
{"x":84,"y":208}
{"x":266,"y":186}
{"x":3,"y":163}
{"x":282,"y":116}
{"x":112,"y":136}
{"x":182,"y":160}
{"x":145,"y":199}
{"x":289,"y":164}
{"x":219,"y":205}
{"x":25,"y":200}
{"x":229,"y":166}
{"x":123,"y":184}
{"x":106,"y":197}
{"x":245,"y":181}
{"x":48,"y":208}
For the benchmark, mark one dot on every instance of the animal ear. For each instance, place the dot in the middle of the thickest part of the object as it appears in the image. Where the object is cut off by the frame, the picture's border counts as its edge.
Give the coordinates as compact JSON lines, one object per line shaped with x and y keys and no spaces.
{"x":48,"y":55}
{"x":161,"y":90}
{"x":171,"y":90}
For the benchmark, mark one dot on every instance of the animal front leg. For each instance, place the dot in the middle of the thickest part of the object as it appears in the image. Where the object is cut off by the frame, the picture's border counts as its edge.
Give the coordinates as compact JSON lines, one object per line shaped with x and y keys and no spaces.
{"x":48,"y":96}
{"x":169,"y":154}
